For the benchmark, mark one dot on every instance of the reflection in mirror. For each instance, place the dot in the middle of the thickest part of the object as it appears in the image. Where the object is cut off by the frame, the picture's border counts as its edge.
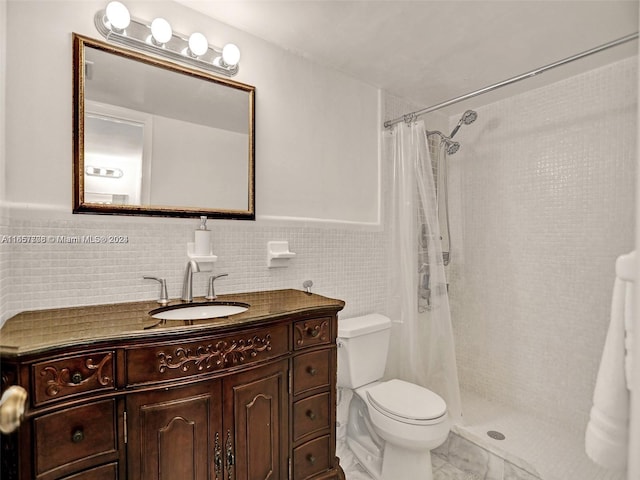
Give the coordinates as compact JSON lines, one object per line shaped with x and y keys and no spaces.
{"x":114,"y":148}
{"x":154,"y":138}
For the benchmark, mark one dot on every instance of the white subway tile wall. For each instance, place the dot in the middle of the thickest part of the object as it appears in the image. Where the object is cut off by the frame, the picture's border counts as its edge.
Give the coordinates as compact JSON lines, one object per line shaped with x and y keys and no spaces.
{"x":542,"y":202}
{"x":343,"y":262}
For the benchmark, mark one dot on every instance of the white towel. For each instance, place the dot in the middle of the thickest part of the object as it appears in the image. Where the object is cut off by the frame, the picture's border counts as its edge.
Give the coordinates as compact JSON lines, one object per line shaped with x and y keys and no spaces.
{"x":607,"y":434}
{"x":626,"y":270}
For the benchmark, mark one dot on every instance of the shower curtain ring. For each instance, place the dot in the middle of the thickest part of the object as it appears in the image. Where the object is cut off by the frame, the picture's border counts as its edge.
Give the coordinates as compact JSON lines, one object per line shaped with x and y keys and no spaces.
{"x":410,"y":118}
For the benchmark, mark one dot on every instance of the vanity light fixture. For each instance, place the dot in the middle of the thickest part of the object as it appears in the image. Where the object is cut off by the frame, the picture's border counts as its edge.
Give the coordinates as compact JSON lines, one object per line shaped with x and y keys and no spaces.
{"x":161,"y":31}
{"x":230,"y":54}
{"x":198,"y":44}
{"x":118,"y":16}
{"x":116,"y":24}
{"x":104,"y":172}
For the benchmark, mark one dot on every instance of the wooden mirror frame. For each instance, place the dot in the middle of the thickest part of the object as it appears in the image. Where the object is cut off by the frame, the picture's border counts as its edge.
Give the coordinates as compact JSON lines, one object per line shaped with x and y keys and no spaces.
{"x":79,"y":203}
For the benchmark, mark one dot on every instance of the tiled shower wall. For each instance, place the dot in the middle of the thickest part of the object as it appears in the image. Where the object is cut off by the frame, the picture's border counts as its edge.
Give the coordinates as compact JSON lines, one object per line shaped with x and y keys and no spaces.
{"x":542,"y":203}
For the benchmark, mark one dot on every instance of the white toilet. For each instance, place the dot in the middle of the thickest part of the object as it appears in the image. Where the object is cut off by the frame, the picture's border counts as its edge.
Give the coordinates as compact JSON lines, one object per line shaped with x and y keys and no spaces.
{"x":393,"y":425}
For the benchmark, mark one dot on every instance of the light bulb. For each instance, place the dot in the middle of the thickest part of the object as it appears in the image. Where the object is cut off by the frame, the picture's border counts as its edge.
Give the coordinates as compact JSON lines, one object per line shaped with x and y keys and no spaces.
{"x":118,"y":15}
{"x":230,"y":54}
{"x":161,"y":30}
{"x":198,"y":44}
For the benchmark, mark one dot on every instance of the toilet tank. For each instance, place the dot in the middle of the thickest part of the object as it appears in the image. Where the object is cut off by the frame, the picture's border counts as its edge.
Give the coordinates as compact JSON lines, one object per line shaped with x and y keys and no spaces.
{"x":363,"y":343}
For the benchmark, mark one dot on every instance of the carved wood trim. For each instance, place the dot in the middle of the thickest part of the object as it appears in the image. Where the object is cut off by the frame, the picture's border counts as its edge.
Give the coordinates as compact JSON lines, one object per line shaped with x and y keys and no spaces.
{"x":313,"y":331}
{"x":62,"y":378}
{"x":213,"y":356}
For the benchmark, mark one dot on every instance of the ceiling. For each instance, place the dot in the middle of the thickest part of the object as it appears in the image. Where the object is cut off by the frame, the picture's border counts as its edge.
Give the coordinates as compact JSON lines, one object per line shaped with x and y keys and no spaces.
{"x":429,"y":51}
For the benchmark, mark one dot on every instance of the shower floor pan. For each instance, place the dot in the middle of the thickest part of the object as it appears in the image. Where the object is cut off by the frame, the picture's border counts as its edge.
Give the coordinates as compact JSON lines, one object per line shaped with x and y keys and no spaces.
{"x":532,"y":449}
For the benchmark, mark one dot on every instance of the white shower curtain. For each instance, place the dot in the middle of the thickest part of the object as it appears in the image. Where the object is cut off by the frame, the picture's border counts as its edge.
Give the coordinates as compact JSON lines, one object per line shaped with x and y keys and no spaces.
{"x":422,"y":349}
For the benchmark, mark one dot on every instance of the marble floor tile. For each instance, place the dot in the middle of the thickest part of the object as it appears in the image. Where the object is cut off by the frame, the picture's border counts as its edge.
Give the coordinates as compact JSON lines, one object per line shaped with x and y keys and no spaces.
{"x":470,"y":458}
{"x":442,"y":470}
{"x":511,"y":472}
{"x":448,"y":472}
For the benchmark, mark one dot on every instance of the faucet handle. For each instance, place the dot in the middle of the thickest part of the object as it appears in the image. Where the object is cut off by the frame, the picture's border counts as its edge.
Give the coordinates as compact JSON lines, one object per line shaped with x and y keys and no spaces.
{"x":211,"y":294}
{"x":307,"y":286}
{"x":164,"y":297}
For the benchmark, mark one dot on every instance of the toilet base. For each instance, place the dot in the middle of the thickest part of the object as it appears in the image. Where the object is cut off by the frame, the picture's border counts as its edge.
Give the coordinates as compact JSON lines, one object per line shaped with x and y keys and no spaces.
{"x":398,"y":462}
{"x":366,"y":457}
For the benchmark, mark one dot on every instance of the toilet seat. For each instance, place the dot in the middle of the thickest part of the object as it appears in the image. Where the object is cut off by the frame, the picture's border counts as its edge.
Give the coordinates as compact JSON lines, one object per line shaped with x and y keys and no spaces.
{"x":407,"y":402}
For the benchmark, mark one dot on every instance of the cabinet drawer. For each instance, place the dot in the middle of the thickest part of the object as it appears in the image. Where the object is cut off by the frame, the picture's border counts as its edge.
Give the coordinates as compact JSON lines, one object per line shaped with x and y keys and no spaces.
{"x":316,"y":331}
{"x":75,"y":435}
{"x":185,"y":359}
{"x":64,"y":377}
{"x":310,"y":415}
{"x":311,"y":370}
{"x":311,"y":458}
{"x":104,"y":472}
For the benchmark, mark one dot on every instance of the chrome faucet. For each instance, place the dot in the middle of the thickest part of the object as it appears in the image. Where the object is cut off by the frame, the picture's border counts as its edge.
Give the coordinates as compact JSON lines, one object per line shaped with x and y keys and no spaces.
{"x":187,"y":284}
{"x":164,"y":297}
{"x":211,"y":294}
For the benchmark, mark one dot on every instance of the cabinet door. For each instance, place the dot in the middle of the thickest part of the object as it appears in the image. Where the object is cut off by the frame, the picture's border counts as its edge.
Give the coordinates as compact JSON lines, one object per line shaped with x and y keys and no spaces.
{"x":256,"y":428}
{"x":172,"y":433}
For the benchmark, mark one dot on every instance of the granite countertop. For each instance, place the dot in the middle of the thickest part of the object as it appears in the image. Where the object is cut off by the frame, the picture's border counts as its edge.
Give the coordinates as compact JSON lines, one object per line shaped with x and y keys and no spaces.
{"x":36,"y":331}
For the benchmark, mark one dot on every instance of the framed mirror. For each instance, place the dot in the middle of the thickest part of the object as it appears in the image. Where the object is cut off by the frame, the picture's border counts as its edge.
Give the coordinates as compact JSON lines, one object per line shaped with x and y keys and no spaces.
{"x":152,"y":137}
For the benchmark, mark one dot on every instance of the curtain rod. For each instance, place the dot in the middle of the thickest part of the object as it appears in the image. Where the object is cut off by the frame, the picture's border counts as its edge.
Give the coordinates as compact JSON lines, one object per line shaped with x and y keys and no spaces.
{"x":410,"y":116}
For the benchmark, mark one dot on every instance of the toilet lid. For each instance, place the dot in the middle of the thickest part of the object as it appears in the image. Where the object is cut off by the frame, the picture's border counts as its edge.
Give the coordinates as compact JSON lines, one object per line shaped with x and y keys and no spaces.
{"x":405,"y":400}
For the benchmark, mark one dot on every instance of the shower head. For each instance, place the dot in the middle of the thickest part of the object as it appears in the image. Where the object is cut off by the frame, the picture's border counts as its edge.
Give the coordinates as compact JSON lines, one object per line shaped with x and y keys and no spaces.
{"x":467,"y":118}
{"x":452,"y":147}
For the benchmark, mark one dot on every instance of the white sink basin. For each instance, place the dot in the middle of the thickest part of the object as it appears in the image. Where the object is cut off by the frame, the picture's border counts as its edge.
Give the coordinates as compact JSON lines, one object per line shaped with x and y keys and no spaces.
{"x":199,"y":311}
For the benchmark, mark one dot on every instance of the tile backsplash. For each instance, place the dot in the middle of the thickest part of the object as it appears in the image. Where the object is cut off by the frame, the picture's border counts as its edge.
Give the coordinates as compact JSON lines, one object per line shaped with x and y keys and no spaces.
{"x":342,"y":261}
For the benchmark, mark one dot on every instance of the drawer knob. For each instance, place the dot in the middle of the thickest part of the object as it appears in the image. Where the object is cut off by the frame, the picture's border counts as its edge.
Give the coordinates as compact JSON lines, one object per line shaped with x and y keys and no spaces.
{"x":76,"y":377}
{"x":77,"y":436}
{"x":311,"y":414}
{"x":312,"y":371}
{"x":314,"y":332}
{"x":311,"y":459}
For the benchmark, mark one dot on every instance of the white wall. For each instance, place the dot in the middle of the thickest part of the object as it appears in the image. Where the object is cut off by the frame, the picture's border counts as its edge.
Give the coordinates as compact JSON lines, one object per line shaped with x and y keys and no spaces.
{"x":3,"y":70}
{"x":4,"y":219}
{"x":184,"y":171}
{"x":317,"y":178}
{"x":542,"y":203}
{"x":317,"y":130}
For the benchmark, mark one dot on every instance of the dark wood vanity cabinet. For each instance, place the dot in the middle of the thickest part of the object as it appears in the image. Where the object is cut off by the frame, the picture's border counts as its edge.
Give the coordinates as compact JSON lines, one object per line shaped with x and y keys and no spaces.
{"x":251,"y":401}
{"x":234,"y":428}
{"x":256,"y":407}
{"x":169,"y":432}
